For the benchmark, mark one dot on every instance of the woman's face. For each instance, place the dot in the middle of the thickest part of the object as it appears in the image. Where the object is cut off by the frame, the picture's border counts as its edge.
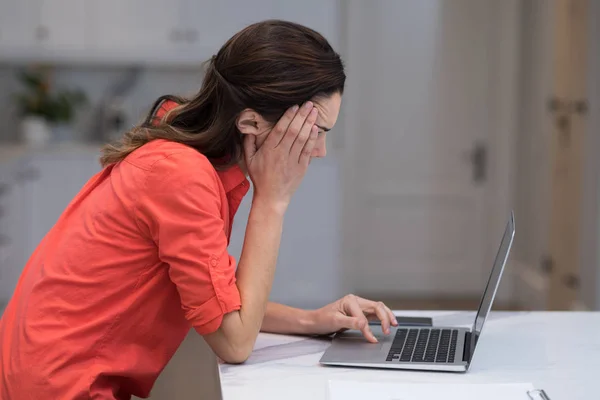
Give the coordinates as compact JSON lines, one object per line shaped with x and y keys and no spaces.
{"x":328,"y":108}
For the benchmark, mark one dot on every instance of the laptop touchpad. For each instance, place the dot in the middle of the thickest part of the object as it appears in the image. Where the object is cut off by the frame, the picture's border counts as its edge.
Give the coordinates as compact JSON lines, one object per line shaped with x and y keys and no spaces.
{"x":357,"y":340}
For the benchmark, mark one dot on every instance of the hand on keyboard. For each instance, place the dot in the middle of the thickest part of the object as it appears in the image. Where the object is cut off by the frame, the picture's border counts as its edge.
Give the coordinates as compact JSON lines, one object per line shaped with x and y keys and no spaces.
{"x":352,"y":312}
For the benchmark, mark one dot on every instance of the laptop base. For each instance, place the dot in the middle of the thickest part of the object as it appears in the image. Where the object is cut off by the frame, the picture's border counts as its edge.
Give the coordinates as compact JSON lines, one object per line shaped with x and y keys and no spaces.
{"x":349,"y":349}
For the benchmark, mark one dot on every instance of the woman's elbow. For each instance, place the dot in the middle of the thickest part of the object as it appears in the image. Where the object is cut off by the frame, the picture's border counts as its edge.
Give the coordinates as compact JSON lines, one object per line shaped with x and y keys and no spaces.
{"x":236,"y":354}
{"x":232,"y":342}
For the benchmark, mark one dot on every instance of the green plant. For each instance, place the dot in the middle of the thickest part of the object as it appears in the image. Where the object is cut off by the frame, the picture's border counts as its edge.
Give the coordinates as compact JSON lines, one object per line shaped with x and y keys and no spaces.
{"x":37,"y":99}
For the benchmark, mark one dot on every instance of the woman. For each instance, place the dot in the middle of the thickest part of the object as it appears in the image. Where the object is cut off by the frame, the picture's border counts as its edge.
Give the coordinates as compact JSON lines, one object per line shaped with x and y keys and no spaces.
{"x":140,"y":255}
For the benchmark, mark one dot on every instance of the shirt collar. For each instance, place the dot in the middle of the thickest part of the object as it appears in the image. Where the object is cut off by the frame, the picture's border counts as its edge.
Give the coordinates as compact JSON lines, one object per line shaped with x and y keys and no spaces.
{"x":232,"y":178}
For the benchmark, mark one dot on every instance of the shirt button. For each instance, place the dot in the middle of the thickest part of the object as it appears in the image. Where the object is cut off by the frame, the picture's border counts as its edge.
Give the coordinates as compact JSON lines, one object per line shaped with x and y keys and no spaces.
{"x":213,"y":262}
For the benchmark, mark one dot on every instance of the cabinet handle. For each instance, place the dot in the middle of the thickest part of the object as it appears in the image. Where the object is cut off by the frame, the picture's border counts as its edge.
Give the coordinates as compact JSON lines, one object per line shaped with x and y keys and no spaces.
{"x":581,"y":107}
{"x":31,"y":174}
{"x":547,"y":264}
{"x":192,"y":35}
{"x":4,"y":241}
{"x":3,"y":189}
{"x":571,"y":281}
{"x":42,"y":33}
{"x":176,"y":35}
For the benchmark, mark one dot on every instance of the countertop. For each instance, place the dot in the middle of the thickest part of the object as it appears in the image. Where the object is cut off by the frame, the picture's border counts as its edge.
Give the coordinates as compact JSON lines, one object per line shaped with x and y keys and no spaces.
{"x":10,"y":151}
{"x":558,"y":352}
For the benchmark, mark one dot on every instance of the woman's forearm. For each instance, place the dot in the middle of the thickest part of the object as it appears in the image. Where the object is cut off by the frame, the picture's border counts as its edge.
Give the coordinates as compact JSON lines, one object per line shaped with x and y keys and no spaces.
{"x":257,"y":263}
{"x":235,"y":339}
{"x":287,"y":320}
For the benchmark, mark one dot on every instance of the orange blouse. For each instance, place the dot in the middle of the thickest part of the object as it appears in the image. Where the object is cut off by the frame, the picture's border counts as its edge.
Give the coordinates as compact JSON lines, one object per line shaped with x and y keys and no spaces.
{"x":137,"y":258}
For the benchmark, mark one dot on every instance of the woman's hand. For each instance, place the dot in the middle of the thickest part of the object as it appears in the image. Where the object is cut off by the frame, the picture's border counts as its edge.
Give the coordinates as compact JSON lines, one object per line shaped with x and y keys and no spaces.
{"x":352,"y":312}
{"x":278,"y":166}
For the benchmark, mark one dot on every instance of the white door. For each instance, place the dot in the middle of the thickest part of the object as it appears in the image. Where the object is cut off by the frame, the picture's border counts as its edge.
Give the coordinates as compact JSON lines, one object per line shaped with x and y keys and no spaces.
{"x":416,"y":126}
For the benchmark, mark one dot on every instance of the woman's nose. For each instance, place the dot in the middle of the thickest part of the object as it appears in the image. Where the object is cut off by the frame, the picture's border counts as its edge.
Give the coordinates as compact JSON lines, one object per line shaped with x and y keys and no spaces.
{"x":320,"y":149}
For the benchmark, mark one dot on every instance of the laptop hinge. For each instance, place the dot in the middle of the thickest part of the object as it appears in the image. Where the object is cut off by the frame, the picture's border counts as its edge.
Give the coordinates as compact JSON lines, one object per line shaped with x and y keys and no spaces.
{"x":467,"y":347}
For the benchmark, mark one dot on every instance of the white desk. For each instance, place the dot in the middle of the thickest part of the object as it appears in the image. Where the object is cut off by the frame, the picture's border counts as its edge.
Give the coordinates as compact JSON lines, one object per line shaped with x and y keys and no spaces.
{"x":558,"y":352}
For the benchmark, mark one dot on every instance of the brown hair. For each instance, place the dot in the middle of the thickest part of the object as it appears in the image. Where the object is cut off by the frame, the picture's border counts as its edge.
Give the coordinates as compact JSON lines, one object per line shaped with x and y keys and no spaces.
{"x":268,"y":67}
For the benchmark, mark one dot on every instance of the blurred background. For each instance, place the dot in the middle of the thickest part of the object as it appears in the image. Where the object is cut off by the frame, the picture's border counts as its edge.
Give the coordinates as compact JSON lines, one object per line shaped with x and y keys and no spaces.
{"x":456,"y":112}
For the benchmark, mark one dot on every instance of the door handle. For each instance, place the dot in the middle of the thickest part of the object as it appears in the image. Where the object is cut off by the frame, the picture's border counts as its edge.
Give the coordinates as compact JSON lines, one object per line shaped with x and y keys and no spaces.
{"x":478,"y":158}
{"x":25,"y":175}
{"x":4,"y":241}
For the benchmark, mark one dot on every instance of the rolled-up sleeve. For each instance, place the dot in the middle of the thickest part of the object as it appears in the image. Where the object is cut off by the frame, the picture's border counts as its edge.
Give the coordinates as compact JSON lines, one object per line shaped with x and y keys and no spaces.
{"x":181,"y":207}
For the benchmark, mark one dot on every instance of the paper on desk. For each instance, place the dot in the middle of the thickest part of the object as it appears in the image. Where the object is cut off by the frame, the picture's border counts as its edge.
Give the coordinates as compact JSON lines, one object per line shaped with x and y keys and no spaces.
{"x":350,"y":390}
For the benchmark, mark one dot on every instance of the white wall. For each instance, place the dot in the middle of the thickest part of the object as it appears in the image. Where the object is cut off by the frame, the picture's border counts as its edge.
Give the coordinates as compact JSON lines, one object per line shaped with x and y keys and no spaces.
{"x":308,"y":268}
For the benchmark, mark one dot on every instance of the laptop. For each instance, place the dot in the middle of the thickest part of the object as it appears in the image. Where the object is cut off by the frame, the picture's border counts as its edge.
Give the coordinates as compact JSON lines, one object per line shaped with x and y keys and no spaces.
{"x":422,"y":348}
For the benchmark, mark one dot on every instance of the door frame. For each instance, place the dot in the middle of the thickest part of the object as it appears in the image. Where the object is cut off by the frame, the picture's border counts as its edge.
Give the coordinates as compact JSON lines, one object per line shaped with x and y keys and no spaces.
{"x":504,"y":36}
{"x":590,"y":238}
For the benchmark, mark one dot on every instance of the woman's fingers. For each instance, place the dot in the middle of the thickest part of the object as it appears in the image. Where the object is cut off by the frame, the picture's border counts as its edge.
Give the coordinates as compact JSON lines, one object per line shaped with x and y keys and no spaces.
{"x":392,"y":316}
{"x":343,"y":322}
{"x":353,"y":309}
{"x":383,"y":313}
{"x":295,"y":128}
{"x":305,"y":155}
{"x":281,"y":127}
{"x":383,"y":316}
{"x":303,"y":137}
{"x":275,"y":168}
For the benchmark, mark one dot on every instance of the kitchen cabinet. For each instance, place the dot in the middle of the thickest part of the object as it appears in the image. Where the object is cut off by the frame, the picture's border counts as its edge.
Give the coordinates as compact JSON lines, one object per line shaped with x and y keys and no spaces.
{"x":189,"y":31}
{"x":5,"y":253}
{"x":320,"y":15}
{"x":135,"y":29}
{"x":14,"y":223}
{"x":211,"y":24}
{"x":38,"y":187}
{"x":62,"y":25}
{"x":150,"y":32}
{"x":17,"y":25}
{"x":41,"y":28}
{"x":12,"y":230}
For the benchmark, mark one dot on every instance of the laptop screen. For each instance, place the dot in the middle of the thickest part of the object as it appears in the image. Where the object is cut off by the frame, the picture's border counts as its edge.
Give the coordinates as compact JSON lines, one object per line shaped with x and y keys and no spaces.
{"x":493,"y":281}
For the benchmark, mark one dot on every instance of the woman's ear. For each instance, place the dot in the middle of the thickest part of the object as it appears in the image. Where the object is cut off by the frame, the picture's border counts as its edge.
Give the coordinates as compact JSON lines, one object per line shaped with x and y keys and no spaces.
{"x":249,"y":122}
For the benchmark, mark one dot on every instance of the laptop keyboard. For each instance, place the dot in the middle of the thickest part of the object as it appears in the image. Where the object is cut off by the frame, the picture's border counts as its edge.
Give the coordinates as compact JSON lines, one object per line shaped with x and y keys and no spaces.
{"x":424,"y":345}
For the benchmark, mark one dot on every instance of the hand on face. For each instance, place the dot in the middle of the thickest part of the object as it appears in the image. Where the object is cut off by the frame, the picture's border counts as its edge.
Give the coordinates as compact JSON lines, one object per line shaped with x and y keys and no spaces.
{"x":353,"y":312}
{"x":279,"y":164}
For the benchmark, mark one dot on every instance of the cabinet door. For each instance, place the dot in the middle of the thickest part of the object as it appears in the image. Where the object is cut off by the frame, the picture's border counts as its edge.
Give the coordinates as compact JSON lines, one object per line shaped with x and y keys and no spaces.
{"x":209,"y":24}
{"x":62,"y":25}
{"x":62,"y":175}
{"x":5,"y":242}
{"x":135,"y":29}
{"x":16,"y":224}
{"x":18,"y":21}
{"x":320,"y":15}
